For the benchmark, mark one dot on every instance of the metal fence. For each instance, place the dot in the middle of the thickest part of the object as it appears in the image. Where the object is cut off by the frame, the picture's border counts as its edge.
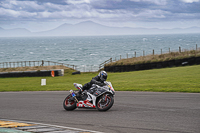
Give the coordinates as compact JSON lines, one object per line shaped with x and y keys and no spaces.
{"x":82,"y":68}
{"x":32,"y":64}
{"x":143,"y":53}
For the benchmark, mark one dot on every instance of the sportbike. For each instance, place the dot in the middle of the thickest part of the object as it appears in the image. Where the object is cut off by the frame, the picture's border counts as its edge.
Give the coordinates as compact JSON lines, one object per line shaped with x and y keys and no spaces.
{"x":97,"y":97}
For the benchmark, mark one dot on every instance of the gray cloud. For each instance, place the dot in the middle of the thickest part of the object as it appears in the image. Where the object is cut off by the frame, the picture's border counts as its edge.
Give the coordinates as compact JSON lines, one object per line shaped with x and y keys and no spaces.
{"x":99,"y":10}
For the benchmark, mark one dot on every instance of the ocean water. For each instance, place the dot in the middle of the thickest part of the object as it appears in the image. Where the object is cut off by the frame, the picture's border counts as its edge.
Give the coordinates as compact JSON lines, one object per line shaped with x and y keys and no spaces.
{"x":90,"y":51}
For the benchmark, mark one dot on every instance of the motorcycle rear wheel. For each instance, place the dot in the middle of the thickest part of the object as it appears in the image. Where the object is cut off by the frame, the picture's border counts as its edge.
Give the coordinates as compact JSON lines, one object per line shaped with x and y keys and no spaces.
{"x":104,"y":105}
{"x":69,"y":105}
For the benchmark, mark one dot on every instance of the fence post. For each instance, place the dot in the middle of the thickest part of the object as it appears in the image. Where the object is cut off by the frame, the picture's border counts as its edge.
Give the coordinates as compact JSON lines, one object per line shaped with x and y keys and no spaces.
{"x":127,"y":56}
{"x":169,"y":50}
{"x":135,"y":54}
{"x":196,"y":47}
{"x":153,"y":51}
{"x":161,"y":51}
{"x":120,"y":57}
{"x":143,"y":53}
{"x":179,"y":49}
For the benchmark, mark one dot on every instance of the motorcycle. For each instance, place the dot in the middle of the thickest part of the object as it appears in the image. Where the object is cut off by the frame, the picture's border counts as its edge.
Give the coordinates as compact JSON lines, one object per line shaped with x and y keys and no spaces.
{"x":97,"y":97}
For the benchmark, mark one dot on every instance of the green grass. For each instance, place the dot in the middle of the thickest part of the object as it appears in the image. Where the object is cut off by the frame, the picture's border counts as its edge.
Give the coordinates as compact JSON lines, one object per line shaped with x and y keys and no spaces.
{"x":177,"y":79}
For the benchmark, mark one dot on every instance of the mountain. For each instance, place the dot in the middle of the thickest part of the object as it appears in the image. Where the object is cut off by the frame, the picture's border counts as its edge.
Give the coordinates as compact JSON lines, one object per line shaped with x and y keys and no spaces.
{"x":89,"y":28}
{"x":14,"y":32}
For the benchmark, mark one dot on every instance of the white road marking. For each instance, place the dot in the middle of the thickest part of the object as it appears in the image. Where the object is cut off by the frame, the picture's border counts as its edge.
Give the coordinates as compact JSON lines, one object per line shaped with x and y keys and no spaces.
{"x":49,"y":125}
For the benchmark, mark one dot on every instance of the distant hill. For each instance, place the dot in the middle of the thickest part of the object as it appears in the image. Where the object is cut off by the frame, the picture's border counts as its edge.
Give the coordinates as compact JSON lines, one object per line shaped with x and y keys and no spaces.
{"x":89,"y":28}
{"x":14,"y":32}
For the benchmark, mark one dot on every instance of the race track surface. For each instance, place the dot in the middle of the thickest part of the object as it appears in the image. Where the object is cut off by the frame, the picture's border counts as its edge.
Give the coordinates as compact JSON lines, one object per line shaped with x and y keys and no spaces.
{"x":132,"y":112}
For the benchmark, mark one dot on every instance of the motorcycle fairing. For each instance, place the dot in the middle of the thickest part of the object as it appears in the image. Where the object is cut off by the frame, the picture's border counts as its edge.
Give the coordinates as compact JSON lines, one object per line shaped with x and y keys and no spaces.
{"x":85,"y":103}
{"x":78,"y":86}
{"x":99,"y":92}
{"x":91,"y":98}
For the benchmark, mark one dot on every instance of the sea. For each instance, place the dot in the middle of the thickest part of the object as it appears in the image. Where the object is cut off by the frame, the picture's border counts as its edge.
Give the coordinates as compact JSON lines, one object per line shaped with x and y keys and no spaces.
{"x":88,"y":52}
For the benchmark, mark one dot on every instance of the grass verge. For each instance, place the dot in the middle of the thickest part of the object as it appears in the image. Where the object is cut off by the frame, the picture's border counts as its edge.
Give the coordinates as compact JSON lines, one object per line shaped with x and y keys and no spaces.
{"x":157,"y":58}
{"x":177,"y":79}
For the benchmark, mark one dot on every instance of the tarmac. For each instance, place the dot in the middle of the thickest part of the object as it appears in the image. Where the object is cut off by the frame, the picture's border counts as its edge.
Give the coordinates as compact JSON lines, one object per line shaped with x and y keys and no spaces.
{"x":132,"y":112}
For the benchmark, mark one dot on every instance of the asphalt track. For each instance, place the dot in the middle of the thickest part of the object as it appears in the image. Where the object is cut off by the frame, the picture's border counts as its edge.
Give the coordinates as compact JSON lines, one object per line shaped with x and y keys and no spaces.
{"x":132,"y":112}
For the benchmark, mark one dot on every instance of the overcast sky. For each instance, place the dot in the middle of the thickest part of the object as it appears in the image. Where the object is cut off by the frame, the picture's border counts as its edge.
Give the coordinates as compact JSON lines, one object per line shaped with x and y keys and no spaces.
{"x":39,"y":15}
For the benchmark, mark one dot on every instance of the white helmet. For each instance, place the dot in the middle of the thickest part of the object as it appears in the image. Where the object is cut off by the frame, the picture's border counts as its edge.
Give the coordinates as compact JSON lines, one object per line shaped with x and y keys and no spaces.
{"x":103,"y":75}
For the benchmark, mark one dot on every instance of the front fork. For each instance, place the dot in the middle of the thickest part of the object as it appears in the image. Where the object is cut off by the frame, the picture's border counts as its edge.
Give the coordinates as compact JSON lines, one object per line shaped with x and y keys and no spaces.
{"x":104,"y":98}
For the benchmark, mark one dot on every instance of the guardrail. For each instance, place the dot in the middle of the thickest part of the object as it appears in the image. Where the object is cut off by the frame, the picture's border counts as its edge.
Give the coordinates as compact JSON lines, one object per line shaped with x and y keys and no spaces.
{"x":33,"y":63}
{"x":105,"y":62}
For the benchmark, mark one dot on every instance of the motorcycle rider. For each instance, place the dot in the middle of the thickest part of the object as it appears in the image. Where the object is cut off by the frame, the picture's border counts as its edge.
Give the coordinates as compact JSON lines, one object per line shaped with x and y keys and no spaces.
{"x":98,"y":80}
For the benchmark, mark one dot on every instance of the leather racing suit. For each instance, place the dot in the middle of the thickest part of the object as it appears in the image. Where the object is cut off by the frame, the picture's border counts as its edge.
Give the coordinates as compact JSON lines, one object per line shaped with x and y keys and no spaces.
{"x":95,"y":80}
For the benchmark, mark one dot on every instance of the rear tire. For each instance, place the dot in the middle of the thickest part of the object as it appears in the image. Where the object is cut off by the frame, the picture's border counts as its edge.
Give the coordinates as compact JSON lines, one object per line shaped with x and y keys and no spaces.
{"x":105,"y":105}
{"x":69,"y":105}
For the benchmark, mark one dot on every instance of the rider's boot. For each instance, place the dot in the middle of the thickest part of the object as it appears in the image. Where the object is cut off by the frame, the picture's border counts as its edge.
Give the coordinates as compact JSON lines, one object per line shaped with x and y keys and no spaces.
{"x":79,"y":92}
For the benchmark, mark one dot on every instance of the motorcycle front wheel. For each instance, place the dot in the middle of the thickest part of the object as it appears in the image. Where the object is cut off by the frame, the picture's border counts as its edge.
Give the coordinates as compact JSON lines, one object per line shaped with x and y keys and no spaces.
{"x":105,"y":102}
{"x":69,"y":105}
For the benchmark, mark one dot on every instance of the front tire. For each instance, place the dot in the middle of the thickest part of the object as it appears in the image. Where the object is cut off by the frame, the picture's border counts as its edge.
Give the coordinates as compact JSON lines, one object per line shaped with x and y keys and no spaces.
{"x":104,"y":103}
{"x":69,"y":105}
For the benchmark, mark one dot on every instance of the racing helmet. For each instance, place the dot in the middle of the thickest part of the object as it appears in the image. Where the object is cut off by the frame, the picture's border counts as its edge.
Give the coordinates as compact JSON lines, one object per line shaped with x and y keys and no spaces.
{"x":103,"y":75}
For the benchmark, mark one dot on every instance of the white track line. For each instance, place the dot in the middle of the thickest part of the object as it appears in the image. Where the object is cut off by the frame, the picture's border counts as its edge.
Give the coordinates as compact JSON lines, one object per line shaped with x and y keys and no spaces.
{"x":71,"y":128}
